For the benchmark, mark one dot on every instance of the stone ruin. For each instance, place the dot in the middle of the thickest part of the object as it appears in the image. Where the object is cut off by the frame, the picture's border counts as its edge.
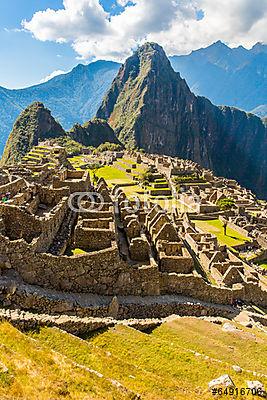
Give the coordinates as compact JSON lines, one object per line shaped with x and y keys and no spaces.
{"x":225,"y":268}
{"x":107,"y":245}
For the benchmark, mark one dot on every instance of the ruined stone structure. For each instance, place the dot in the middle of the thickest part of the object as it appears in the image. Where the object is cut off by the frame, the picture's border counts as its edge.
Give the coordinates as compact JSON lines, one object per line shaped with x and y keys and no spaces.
{"x":105,"y":245}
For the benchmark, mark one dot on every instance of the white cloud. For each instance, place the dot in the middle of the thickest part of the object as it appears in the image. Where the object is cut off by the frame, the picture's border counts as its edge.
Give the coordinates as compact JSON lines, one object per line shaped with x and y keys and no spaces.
{"x":79,"y":18}
{"x":52,"y":75}
{"x":175,"y":24}
{"x":123,"y":3}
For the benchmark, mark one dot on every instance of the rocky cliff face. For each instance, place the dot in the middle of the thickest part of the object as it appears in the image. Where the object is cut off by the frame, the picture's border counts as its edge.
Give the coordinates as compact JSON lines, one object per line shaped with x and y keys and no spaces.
{"x":93,"y":133}
{"x":34,"y":124}
{"x":151,"y":107}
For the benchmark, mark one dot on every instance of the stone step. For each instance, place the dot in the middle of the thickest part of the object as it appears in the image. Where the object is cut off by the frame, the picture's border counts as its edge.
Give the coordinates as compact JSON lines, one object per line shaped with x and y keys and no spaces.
{"x":15,"y":294}
{"x":161,"y":185}
{"x":27,"y":321}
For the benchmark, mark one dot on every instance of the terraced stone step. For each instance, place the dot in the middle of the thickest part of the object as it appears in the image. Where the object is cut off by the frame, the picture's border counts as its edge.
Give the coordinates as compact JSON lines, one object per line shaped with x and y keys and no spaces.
{"x":16,"y":294}
{"x":27,"y":321}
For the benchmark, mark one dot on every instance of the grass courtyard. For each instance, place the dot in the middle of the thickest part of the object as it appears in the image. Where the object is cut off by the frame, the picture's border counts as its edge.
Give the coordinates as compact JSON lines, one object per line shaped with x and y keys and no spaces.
{"x":113,"y":175}
{"x":232,"y":237}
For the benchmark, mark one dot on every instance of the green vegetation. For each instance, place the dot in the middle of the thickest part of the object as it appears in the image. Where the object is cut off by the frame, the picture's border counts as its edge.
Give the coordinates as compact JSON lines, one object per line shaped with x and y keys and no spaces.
{"x":125,"y":100}
{"x":263,"y":264}
{"x":108,"y":147}
{"x":72,"y":148}
{"x":147,"y":177}
{"x":226,"y":204}
{"x":36,"y":372}
{"x":93,"y":133}
{"x":162,"y":365}
{"x":76,"y":252}
{"x":187,"y":179}
{"x":112,"y":174}
{"x":232,"y":237}
{"x":30,"y":127}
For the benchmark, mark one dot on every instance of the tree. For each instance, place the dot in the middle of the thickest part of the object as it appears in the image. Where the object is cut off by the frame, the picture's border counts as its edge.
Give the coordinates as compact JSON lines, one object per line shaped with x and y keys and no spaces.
{"x":226,"y":204}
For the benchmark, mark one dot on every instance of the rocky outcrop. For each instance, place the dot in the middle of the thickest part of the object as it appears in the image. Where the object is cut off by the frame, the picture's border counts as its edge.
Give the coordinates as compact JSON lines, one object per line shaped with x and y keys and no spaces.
{"x":93,"y":133}
{"x":34,"y":124}
{"x":151,"y":107}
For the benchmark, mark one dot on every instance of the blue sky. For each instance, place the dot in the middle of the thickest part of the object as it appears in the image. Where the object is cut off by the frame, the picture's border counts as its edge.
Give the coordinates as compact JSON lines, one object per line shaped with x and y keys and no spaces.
{"x":58,"y":34}
{"x":24,"y":60}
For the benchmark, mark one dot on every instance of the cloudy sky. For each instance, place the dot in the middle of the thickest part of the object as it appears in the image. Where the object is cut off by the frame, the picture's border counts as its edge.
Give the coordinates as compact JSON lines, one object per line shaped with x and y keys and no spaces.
{"x":42,"y":38}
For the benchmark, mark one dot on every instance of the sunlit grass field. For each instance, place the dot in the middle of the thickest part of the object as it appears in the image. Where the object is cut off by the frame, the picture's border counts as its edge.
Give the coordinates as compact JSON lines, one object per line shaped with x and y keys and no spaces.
{"x":232,"y":237}
{"x":175,"y":361}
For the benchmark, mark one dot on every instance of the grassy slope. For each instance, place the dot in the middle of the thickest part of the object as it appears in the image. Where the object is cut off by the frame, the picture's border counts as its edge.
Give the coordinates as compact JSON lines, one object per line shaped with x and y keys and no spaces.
{"x":161,"y":365}
{"x":232,"y":238}
{"x":37,"y":373}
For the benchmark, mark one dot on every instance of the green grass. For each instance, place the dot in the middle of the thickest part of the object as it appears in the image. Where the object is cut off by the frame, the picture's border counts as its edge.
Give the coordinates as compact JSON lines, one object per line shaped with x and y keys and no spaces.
{"x":263,"y":264}
{"x":78,"y":252}
{"x":232,"y":237}
{"x":35,"y":372}
{"x":112,"y":174}
{"x":162,"y":365}
{"x":77,"y":161}
{"x":74,"y":252}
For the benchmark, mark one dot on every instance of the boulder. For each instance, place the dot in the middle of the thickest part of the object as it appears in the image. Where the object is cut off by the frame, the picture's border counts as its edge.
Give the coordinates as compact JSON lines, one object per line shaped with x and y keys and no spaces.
{"x":221,"y":382}
{"x":257,"y":387}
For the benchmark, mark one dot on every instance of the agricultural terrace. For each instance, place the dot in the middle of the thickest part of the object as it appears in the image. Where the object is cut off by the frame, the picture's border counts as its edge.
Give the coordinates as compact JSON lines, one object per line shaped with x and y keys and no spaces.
{"x":126,"y":173}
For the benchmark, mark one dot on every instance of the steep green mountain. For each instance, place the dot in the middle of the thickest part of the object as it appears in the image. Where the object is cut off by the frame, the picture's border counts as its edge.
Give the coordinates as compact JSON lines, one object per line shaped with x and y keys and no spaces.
{"x":34,"y":124}
{"x":150,"y":106}
{"x":72,"y":97}
{"x":93,"y":133}
{"x":236,"y":77}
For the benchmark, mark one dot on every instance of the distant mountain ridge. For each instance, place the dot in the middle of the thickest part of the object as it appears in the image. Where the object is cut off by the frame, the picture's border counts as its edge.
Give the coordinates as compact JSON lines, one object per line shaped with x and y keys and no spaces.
{"x":72,"y":98}
{"x":235,"y":77}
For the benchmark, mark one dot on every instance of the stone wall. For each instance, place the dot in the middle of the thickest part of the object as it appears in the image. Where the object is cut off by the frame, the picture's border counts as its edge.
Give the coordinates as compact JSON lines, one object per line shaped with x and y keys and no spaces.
{"x":195,"y":286}
{"x":13,"y":187}
{"x":76,"y":181}
{"x":21,"y":225}
{"x":102,"y":272}
{"x":105,"y":273}
{"x":237,"y":228}
{"x":93,"y":239}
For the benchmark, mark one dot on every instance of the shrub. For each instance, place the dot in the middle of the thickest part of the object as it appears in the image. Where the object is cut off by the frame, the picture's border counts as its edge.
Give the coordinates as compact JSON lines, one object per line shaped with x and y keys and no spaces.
{"x":72,"y":148}
{"x":146,"y":177}
{"x":226,"y":204}
{"x":108,"y":147}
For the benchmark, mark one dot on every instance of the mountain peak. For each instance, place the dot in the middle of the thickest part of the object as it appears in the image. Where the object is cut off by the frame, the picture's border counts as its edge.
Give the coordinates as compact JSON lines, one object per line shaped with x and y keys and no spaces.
{"x":259,"y":47}
{"x":151,"y":53}
{"x":93,"y":133}
{"x":150,"y":107}
{"x":33,"y":124}
{"x":149,"y":47}
{"x":146,"y":75}
{"x":220,"y":44}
